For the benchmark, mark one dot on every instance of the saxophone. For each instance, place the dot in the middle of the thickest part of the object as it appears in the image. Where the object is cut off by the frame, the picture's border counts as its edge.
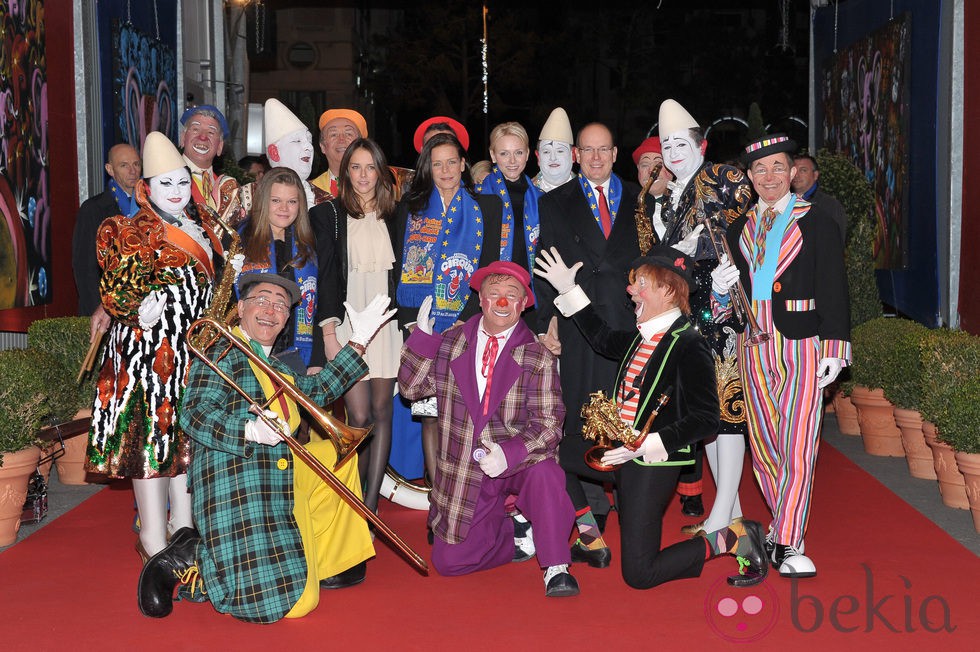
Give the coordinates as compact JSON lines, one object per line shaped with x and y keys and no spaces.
{"x":221,"y":308}
{"x":603,"y":425}
{"x":644,"y":225}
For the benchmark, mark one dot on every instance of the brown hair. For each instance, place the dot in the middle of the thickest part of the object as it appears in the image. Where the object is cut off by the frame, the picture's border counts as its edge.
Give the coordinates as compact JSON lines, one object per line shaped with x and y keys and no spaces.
{"x":257,"y":235}
{"x":679,"y":290}
{"x":384,"y":192}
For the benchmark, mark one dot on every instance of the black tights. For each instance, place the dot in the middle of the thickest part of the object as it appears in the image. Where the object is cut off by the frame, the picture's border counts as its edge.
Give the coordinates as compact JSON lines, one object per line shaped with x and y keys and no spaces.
{"x":371,"y":401}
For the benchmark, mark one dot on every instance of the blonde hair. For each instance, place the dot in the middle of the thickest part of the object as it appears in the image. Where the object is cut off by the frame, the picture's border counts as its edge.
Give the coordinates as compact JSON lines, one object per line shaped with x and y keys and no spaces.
{"x":509,"y":129}
{"x":480,"y":170}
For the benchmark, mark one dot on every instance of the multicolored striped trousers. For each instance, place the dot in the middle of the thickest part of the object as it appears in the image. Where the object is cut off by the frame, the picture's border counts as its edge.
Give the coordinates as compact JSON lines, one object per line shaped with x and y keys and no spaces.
{"x":779,"y":378}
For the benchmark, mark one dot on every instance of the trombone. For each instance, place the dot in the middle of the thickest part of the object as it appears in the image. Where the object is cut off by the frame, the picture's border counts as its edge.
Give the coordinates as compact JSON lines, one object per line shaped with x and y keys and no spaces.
{"x":344,"y":438}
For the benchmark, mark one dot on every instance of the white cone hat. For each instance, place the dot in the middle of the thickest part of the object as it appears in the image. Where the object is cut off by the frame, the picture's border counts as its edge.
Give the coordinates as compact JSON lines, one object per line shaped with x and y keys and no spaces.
{"x":557,"y":127}
{"x":279,"y":121}
{"x":160,"y":155}
{"x":674,"y":118}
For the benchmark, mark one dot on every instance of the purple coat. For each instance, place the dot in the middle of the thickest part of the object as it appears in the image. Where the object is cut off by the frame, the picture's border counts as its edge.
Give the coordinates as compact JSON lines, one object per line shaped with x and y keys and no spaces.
{"x":525,"y":416}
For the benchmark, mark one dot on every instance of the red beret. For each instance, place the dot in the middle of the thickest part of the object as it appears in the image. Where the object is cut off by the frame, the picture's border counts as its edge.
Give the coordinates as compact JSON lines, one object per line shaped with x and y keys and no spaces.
{"x":461,"y":134}
{"x":651,"y":144}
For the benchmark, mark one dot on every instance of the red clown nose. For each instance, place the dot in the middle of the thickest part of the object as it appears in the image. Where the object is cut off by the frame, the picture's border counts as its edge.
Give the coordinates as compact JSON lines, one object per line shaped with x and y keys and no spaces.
{"x":502,"y":302}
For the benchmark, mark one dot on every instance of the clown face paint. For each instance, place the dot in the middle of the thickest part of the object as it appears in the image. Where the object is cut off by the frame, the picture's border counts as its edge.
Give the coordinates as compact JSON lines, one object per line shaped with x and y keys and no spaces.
{"x":649,"y":299}
{"x":555,"y":161}
{"x":171,"y":191}
{"x":294,"y":151}
{"x":681,"y":155}
{"x":502,"y":302}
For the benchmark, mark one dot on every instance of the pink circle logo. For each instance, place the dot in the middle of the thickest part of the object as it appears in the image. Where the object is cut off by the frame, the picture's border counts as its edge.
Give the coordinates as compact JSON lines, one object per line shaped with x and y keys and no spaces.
{"x":741,"y":615}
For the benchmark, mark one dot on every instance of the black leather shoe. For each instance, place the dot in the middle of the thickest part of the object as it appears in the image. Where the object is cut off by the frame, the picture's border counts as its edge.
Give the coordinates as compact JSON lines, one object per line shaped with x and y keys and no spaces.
{"x":692,"y":505}
{"x":562,"y":585}
{"x":598,"y":558}
{"x":753,"y":562}
{"x":164,"y":570}
{"x":350,"y":577}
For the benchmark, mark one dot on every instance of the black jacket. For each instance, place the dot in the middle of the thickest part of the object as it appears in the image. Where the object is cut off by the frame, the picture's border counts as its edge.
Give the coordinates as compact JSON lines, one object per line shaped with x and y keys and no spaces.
{"x":91,"y":214}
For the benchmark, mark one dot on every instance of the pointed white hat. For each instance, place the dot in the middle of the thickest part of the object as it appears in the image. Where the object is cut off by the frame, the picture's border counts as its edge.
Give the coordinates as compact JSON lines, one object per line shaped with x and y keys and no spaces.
{"x":557,"y":127}
{"x":279,"y":121}
{"x":674,"y":118}
{"x":160,"y":155}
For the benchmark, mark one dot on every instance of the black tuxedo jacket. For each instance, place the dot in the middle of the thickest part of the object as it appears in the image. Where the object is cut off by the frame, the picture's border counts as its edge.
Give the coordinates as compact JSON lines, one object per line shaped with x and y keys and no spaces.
{"x":91,"y":214}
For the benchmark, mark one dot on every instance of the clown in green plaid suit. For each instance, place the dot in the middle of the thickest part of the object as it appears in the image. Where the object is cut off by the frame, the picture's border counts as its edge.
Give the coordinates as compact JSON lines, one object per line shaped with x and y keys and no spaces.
{"x":255,"y":509}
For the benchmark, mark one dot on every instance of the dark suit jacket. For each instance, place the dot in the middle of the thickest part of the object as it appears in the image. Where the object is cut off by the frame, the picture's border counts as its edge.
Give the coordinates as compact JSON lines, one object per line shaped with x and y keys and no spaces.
{"x":91,"y":214}
{"x":682,"y":360}
{"x":809,"y":292}
{"x":492,"y":209}
{"x":830,"y":205}
{"x":567,"y":224}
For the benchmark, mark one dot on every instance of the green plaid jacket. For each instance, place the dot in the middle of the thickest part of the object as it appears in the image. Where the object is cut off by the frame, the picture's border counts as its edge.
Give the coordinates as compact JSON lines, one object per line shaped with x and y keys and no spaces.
{"x":251,"y":556}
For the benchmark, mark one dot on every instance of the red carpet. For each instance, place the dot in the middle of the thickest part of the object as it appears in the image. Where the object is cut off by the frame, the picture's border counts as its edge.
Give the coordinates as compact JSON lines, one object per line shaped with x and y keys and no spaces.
{"x":887,"y":576}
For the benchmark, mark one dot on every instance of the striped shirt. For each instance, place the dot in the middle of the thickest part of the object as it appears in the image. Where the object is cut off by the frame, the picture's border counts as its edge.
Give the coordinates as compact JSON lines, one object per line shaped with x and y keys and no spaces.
{"x":628,"y":395}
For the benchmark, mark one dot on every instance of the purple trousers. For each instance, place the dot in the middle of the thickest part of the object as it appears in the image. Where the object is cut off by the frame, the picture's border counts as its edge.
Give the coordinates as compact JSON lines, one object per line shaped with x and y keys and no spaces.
{"x":541,"y":498}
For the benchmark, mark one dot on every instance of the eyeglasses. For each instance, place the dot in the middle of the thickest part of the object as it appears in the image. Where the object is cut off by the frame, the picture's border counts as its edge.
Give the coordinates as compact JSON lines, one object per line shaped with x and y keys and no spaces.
{"x":601,"y":151}
{"x":265,"y":304}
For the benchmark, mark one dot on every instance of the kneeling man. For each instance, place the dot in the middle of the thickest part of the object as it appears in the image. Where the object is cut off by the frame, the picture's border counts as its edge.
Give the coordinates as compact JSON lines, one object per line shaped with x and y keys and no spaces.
{"x":500,"y":421}
{"x":269,"y":533}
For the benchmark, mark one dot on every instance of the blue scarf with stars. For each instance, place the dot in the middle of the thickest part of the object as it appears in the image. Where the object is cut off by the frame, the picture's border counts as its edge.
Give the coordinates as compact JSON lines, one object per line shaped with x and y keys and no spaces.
{"x":127,"y":203}
{"x":441,"y":252}
{"x":495,"y":184}
{"x":613,"y":195}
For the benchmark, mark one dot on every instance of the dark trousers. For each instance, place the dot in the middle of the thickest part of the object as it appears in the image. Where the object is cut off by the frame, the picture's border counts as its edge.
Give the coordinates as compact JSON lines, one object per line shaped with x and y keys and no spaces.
{"x":644,"y":494}
{"x":571,"y":454}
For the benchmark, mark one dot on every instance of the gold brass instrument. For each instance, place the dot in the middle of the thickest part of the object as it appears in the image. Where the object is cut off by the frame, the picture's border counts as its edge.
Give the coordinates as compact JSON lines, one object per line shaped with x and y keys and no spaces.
{"x":345,"y":438}
{"x":603,"y":425}
{"x":740,"y":301}
{"x":221,"y":308}
{"x":644,"y":225}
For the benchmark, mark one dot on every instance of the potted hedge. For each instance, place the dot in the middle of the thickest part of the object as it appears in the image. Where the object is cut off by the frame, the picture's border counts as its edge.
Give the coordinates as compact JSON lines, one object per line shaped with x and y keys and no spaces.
{"x":960,"y":426}
{"x":32,"y":389}
{"x":842,"y":179}
{"x":873,"y":369}
{"x":67,"y":339}
{"x":950,"y":360}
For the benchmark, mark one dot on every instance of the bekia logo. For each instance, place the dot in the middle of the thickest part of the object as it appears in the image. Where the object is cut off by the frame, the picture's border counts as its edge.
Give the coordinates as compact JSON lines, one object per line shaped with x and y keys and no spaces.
{"x":741,"y":615}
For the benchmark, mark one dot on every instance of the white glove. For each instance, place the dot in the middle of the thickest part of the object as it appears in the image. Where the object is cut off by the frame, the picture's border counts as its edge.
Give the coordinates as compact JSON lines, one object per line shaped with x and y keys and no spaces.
{"x":652,"y":450}
{"x":689,"y":245}
{"x":260,"y":432}
{"x":724,"y":276}
{"x":237,"y":262}
{"x":494,"y":462}
{"x":827,"y":371}
{"x":151,"y":309}
{"x":549,"y":266}
{"x":423,"y":322}
{"x":366,"y":323}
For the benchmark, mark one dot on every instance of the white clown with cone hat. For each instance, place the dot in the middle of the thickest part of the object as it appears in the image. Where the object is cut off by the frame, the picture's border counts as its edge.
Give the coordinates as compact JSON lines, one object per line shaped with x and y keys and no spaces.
{"x":288,"y":142}
{"x":554,"y":151}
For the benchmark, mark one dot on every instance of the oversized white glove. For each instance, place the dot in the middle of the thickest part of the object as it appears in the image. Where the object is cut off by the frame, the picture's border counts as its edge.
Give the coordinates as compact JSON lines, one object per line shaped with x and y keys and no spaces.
{"x":259,"y":432}
{"x":827,"y":371}
{"x":365,"y":324}
{"x":689,"y":245}
{"x":724,"y":276}
{"x":237,"y":262}
{"x":549,"y":266}
{"x":151,"y":309}
{"x":423,"y":322}
{"x":652,"y":450}
{"x":494,"y":462}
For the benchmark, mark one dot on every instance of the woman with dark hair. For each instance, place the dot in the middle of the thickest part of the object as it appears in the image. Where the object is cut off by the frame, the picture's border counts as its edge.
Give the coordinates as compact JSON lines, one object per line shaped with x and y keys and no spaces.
{"x":355,"y":235}
{"x":443,"y":225}
{"x":278,"y":239}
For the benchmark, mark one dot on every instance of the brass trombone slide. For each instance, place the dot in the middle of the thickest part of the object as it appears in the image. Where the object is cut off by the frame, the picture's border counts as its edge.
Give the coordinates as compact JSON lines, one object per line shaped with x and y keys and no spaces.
{"x":344,"y":438}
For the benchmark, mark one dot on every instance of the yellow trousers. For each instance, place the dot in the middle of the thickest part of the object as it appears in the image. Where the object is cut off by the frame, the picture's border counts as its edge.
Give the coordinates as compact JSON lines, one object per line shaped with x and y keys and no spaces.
{"x":334,"y":536}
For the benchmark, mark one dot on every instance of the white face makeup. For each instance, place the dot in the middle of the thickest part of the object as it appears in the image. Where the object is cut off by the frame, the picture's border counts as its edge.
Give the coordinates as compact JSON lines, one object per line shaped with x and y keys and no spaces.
{"x":171,"y":191}
{"x":554,"y":161}
{"x":681,"y":155}
{"x":295,"y":151}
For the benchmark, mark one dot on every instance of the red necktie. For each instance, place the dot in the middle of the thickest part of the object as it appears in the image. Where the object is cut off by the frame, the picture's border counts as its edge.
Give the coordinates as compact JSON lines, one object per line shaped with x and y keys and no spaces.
{"x":605,"y":220}
{"x":489,"y":360}
{"x":761,"y":231}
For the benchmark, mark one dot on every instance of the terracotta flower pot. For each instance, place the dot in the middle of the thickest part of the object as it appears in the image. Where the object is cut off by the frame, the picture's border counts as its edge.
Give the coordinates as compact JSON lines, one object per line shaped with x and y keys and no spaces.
{"x":952,"y":485}
{"x":969,"y":465}
{"x":876,"y":415}
{"x":16,"y":470}
{"x":917,"y":453}
{"x":847,"y":416}
{"x":71,"y":465}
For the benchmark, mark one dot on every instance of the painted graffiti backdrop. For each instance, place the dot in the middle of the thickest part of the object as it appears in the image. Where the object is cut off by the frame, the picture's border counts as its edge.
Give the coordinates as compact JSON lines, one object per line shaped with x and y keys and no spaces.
{"x":144,"y":79}
{"x":25,"y":228}
{"x":866,"y":117}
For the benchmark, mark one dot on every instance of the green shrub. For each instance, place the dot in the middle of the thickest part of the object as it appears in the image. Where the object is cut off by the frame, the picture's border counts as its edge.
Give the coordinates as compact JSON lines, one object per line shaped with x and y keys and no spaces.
{"x":67,"y":339}
{"x":886,"y":355}
{"x":32,"y":390}
{"x":951,"y":386}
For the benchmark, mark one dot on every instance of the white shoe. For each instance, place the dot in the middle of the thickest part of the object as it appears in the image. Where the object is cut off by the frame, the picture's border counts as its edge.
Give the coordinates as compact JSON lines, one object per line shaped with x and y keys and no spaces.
{"x":524,"y":544}
{"x":793,"y":563}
